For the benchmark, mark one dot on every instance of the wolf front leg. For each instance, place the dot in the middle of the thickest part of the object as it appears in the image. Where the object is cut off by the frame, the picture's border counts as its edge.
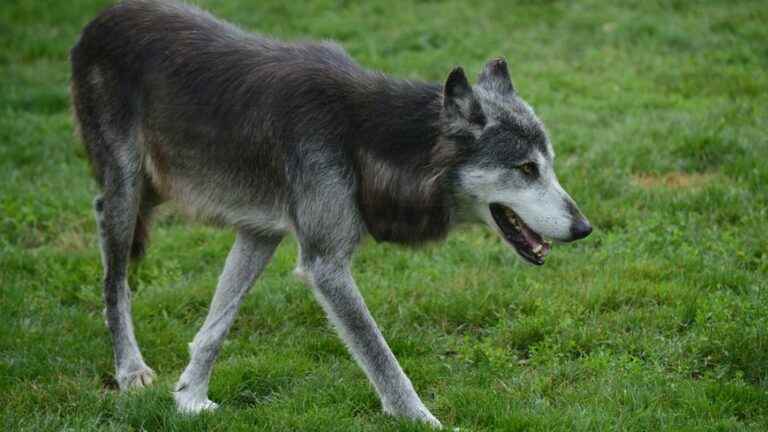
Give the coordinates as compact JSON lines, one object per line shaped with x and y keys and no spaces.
{"x":335,"y":289}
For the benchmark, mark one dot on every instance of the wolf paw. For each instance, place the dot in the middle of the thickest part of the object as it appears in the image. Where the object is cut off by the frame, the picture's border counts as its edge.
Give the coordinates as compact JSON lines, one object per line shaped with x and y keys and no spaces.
{"x":419,"y":414}
{"x":139,"y":378}
{"x":187,"y":404}
{"x":431,"y":420}
{"x":428,"y":418}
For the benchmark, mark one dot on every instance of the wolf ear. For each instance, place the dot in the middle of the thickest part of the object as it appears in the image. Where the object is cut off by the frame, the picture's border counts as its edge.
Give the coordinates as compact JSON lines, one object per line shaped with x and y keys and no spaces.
{"x":495,"y":77}
{"x":459,"y":99}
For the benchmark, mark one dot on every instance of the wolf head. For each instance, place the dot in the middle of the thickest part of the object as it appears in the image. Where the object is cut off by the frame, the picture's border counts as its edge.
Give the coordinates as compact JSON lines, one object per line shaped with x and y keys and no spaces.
{"x":507,"y":179}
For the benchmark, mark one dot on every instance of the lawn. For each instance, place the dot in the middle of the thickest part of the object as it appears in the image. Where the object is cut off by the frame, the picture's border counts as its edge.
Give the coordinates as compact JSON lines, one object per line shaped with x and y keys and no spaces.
{"x":656,"y":322}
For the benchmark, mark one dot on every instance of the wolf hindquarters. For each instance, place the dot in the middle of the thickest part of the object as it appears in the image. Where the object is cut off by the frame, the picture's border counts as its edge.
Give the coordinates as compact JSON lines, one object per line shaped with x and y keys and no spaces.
{"x":103,"y":118}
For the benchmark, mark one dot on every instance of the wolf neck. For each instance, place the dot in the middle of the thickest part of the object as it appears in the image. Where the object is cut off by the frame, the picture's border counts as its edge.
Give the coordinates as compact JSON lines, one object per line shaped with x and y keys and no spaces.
{"x":399,"y":114}
{"x":403,"y":164}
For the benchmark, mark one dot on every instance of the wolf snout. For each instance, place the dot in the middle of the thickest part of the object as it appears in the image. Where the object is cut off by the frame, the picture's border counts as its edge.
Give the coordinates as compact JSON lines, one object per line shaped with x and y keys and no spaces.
{"x":580,"y":229}
{"x":580,"y":226}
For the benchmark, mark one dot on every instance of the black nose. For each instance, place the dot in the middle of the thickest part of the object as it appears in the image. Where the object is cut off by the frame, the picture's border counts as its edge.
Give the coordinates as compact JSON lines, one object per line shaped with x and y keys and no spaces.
{"x":580,"y":229}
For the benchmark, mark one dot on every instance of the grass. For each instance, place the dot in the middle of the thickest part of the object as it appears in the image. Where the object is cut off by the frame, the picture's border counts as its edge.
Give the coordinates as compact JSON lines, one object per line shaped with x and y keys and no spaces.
{"x":657,"y":322}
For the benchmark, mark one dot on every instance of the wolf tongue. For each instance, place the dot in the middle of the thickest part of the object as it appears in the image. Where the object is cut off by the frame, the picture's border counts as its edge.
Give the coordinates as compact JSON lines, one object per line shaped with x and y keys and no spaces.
{"x":533,"y":240}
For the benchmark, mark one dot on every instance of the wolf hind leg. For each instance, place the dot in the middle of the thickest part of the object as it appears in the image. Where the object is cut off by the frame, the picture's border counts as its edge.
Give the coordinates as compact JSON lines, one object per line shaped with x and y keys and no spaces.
{"x":116,"y":215}
{"x":245,"y":262}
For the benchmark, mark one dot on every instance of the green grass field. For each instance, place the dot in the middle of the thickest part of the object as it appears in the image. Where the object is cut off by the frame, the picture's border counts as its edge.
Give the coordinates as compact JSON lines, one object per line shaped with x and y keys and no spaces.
{"x":657,"y":322}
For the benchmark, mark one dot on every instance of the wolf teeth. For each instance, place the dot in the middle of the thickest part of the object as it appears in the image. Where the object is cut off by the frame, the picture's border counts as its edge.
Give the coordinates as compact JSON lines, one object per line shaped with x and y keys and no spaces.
{"x":511,"y":217}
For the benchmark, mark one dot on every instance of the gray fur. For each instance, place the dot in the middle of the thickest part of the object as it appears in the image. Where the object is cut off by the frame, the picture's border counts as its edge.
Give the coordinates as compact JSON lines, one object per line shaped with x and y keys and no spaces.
{"x":274,"y":137}
{"x":247,"y":259}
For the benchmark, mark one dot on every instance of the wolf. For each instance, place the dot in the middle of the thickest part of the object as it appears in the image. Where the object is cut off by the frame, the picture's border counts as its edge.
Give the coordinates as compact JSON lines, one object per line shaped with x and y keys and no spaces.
{"x":275,"y":138}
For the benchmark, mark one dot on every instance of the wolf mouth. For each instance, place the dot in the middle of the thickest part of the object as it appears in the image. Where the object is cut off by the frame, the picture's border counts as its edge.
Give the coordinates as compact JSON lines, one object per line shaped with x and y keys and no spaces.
{"x":527,"y":242}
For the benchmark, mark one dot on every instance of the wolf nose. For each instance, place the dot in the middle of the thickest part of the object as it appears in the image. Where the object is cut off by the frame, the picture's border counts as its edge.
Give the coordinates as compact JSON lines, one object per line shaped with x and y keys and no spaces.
{"x":580,"y":229}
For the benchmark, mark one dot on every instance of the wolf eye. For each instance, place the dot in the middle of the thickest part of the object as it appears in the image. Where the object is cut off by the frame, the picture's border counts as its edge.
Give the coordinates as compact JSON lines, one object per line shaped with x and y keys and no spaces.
{"x":528,"y":168}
